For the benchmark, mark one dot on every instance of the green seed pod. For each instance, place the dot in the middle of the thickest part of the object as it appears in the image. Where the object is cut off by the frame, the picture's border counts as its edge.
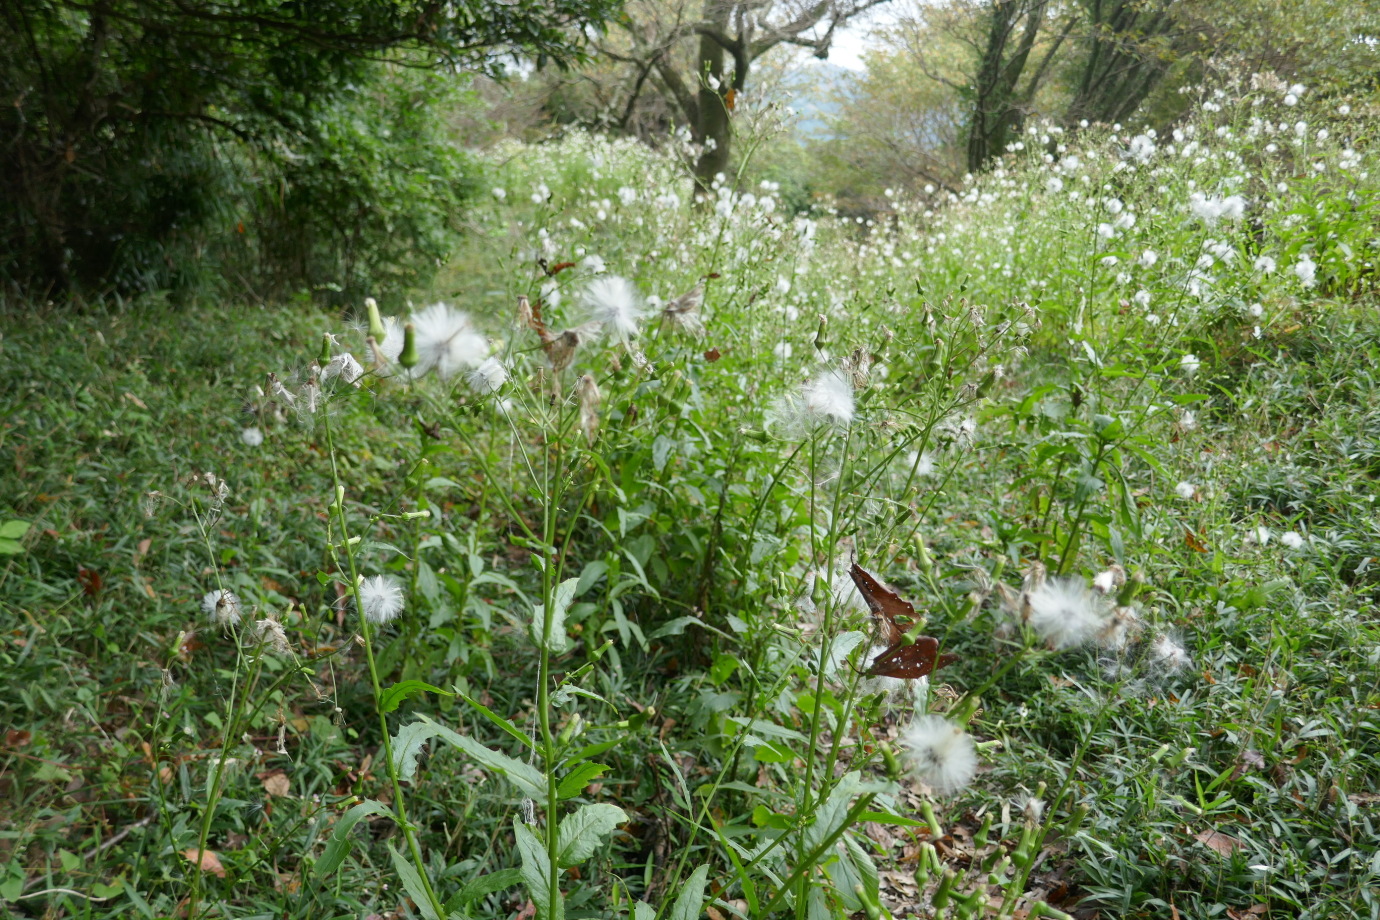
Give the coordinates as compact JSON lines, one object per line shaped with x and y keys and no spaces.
{"x":940,"y":898}
{"x":980,"y":838}
{"x":1132,"y":587}
{"x":375,"y":321}
{"x":408,"y":358}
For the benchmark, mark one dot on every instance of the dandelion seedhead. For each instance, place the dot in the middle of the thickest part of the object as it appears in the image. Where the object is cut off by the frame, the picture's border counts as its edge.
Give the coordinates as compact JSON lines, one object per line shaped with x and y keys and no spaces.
{"x":1064,"y":612}
{"x":940,"y":753}
{"x":222,"y":606}
{"x":683,"y":312}
{"x":381,"y":597}
{"x":345,"y":367}
{"x":269,"y":633}
{"x":615,"y":305}
{"x":488,"y":377}
{"x":447,"y":341}
{"x":1167,"y":655}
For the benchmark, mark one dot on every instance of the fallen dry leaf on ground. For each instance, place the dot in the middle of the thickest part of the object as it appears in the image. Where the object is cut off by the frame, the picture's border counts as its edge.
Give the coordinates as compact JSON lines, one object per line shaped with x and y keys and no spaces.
{"x":210,"y":861}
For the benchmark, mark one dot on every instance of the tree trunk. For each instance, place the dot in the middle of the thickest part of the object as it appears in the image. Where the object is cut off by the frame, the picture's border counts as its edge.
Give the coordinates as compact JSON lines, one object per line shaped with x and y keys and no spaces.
{"x":712,"y":128}
{"x":994,"y":90}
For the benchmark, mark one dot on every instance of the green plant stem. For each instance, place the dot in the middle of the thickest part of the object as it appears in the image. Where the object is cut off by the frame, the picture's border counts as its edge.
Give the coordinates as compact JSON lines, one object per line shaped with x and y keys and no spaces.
{"x":399,"y":806}
{"x":812,"y":858}
{"x":227,"y":737}
{"x":548,"y":593}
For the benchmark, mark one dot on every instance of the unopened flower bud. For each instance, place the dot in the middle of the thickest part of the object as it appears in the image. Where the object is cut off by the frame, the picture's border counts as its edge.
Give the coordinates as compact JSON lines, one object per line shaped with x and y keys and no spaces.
{"x":376,"y":328}
{"x":325,"y":357}
{"x":408,"y":358}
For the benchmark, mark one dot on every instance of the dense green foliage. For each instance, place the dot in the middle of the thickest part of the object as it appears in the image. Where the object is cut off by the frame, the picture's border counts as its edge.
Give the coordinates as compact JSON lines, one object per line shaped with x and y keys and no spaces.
{"x":1153,"y":352}
{"x":151,"y":144}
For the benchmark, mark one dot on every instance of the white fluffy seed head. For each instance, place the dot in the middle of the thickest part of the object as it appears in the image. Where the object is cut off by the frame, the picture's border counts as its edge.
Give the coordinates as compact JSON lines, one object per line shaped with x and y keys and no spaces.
{"x":272,"y":637}
{"x":616,"y":305}
{"x":488,"y":377}
{"x":1064,"y":612}
{"x":941,"y":754}
{"x":222,"y":606}
{"x":1168,"y":655}
{"x":381,"y":598}
{"x":447,"y":341}
{"x":828,"y":399}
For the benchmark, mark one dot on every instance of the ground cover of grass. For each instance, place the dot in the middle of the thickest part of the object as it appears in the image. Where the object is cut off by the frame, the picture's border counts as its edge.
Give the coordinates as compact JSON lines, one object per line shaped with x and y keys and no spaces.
{"x":1223,"y":762}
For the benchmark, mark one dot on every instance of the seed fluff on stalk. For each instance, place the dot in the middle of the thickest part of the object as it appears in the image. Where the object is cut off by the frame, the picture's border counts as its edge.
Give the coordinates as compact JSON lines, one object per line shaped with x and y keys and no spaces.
{"x":825,"y":401}
{"x":488,"y":377}
{"x":615,"y":305}
{"x":1064,"y":612}
{"x":447,"y":341}
{"x":381,"y":597}
{"x":222,"y":606}
{"x":942,"y":755}
{"x":683,"y":312}
{"x":588,"y":392}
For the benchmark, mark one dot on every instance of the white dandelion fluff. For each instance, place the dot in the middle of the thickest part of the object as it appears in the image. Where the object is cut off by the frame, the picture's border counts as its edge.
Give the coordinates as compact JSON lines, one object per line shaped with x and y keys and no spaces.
{"x":828,"y":398}
{"x":616,"y":305}
{"x":488,"y":377}
{"x":252,"y":437}
{"x":381,"y":597}
{"x":940,"y":753}
{"x":1064,"y":612}
{"x":447,"y":341}
{"x":345,"y":367}
{"x":222,"y":606}
{"x":1167,"y":655}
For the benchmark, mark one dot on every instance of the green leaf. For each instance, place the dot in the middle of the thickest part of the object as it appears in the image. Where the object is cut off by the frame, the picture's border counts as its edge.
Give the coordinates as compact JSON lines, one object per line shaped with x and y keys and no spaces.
{"x":554,"y":637}
{"x":412,"y":881}
{"x":394,"y":695}
{"x":536,"y":873}
{"x":576,"y":780}
{"x":643,"y":911}
{"x":582,"y":832}
{"x":487,"y":884}
{"x":14,"y":530}
{"x":407,"y":745}
{"x":10,"y":547}
{"x":691,"y":897}
{"x":881,"y":817}
{"x":338,"y":847}
{"x":498,"y":720}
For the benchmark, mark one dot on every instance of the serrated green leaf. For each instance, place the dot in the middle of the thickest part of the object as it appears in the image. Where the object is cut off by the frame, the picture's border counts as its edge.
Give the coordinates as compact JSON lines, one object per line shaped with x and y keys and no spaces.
{"x":412,"y":882}
{"x":691,"y":897}
{"x":407,"y":745}
{"x":581,"y":833}
{"x":554,"y":637}
{"x":488,"y":884}
{"x":536,"y":874}
{"x":338,"y":847}
{"x":392,"y":697}
{"x":576,"y":780}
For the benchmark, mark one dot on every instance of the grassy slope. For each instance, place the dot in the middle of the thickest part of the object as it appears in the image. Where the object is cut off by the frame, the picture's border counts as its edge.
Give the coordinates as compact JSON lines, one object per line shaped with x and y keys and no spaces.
{"x":1271,"y":738}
